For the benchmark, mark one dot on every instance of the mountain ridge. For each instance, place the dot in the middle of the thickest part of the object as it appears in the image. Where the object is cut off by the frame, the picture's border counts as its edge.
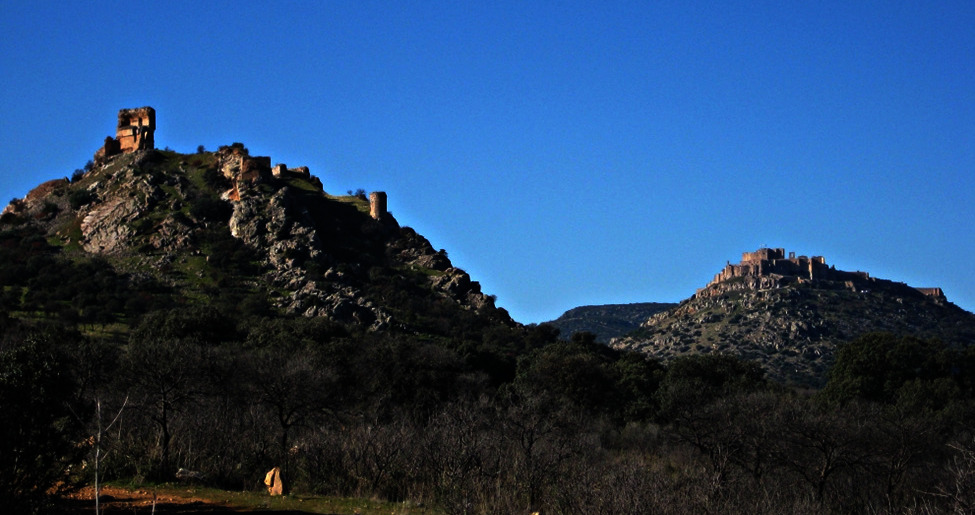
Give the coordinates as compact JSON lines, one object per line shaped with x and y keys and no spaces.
{"x":607,"y":321}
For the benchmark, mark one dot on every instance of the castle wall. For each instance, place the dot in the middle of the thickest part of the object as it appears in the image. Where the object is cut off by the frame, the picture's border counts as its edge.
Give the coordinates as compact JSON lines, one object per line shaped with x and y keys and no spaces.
{"x":762,"y":255}
{"x":932,"y":292}
{"x":765,"y":262}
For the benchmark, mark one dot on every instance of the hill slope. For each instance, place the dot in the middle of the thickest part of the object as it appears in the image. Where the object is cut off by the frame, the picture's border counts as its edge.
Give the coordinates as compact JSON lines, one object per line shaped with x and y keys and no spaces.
{"x":220,"y":228}
{"x":607,"y":321}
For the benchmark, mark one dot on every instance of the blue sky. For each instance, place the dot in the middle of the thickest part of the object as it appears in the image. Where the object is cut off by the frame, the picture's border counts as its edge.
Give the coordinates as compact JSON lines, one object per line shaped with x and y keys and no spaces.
{"x":563,"y":153}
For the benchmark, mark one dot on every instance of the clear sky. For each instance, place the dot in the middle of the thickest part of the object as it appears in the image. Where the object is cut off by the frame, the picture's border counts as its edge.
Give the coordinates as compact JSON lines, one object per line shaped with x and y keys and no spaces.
{"x":563,"y":153}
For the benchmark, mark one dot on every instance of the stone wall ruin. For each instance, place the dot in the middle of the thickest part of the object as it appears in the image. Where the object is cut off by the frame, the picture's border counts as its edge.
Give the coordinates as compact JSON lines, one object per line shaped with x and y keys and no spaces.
{"x":135,"y":131}
{"x":766,"y":262}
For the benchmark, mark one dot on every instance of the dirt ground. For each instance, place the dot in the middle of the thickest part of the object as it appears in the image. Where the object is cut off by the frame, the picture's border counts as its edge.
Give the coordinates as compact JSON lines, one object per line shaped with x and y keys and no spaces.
{"x":117,"y":500}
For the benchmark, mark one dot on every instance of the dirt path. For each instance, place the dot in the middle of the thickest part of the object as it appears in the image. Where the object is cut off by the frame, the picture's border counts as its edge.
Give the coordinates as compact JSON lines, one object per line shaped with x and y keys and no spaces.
{"x":189,"y":499}
{"x":118,"y":500}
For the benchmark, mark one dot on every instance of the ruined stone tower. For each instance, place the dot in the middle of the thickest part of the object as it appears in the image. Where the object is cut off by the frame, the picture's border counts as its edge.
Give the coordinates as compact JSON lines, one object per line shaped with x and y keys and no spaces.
{"x":377,"y":204}
{"x":135,"y":129}
{"x":134,"y":132}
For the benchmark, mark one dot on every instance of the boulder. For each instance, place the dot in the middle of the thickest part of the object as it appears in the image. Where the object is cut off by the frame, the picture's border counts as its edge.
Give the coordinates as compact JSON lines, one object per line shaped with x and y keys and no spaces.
{"x":273,"y":482}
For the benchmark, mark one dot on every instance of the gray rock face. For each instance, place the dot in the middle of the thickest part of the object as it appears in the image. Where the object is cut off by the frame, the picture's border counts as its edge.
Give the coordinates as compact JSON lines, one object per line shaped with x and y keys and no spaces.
{"x":456,"y":284}
{"x":122,"y":201}
{"x":436,"y":261}
{"x":122,"y":198}
{"x":452,"y":283}
{"x":170,"y":235}
{"x":283,"y":230}
{"x":104,"y":228}
{"x":279,"y":225}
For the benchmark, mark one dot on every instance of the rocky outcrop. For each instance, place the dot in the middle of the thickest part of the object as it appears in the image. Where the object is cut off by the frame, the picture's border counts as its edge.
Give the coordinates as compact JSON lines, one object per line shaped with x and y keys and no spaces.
{"x":123,"y":194}
{"x":279,"y":224}
{"x":33,"y":203}
{"x":416,"y":250}
{"x":283,"y":230}
{"x":105,"y":229}
{"x":436,"y":261}
{"x":170,"y":235}
{"x":457,"y":284}
{"x":451,"y":282}
{"x":241,"y":169}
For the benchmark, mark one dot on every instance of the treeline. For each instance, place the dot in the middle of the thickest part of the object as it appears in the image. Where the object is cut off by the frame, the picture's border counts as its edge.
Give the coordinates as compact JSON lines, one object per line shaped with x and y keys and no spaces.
{"x":521,"y":420}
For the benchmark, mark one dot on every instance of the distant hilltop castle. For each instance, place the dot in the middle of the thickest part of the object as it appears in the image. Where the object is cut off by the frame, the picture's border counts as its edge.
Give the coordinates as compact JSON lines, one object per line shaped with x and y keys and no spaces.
{"x":769,"y":268}
{"x":135,"y":131}
{"x":767,"y":262}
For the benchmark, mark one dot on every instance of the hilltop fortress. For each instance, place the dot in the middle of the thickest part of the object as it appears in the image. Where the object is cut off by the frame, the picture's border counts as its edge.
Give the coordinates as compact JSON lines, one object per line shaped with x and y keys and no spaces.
{"x":770,"y":268}
{"x":136,"y":129}
{"x":766,"y":262}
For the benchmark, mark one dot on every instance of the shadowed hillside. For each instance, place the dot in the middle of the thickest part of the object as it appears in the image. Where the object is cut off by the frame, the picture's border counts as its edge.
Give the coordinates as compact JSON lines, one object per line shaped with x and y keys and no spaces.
{"x":608,"y":321}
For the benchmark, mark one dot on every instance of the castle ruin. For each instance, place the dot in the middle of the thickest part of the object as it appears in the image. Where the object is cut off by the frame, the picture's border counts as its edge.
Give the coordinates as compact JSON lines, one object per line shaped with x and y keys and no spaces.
{"x":767,"y":262}
{"x":377,"y":204}
{"x":135,"y":129}
{"x":769,"y":268}
{"x":134,"y":132}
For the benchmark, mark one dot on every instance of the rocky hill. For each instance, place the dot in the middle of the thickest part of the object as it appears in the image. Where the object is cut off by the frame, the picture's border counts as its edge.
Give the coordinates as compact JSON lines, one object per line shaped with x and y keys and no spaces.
{"x":227,"y":228}
{"x":790,"y":313}
{"x":607,"y":321}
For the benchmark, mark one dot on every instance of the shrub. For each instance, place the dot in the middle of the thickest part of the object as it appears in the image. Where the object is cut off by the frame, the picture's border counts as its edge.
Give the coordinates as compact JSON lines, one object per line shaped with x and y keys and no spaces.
{"x":210,"y":209}
{"x":79,"y":198}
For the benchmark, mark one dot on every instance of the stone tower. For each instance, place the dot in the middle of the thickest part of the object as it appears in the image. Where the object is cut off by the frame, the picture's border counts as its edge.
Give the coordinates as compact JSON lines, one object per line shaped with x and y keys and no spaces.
{"x":134,"y":132}
{"x":377,"y":204}
{"x":135,"y":129}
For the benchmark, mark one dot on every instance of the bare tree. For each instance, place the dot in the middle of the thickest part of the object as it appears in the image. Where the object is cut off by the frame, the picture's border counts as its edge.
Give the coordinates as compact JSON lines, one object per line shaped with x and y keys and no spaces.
{"x":99,"y":434}
{"x":165,"y":375}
